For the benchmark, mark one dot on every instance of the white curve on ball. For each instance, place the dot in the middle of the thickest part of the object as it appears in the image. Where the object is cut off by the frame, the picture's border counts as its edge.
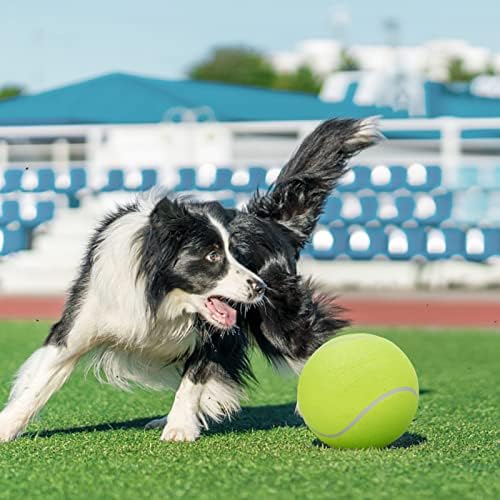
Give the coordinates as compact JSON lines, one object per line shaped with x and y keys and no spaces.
{"x":365,"y":411}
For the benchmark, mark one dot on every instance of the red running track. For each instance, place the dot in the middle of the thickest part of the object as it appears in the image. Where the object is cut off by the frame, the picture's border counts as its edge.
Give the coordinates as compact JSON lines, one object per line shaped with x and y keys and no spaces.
{"x":426,"y":311}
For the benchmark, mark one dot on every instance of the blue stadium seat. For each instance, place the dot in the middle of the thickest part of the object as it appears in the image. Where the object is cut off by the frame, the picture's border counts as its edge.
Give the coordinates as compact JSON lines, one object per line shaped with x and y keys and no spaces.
{"x":46,"y":180}
{"x":11,"y":180}
{"x":149,"y":179}
{"x":405,"y":206}
{"x":228,"y":202}
{"x":489,"y":178}
{"x":466,"y":177}
{"x":443,"y":243}
{"x":492,"y":215}
{"x":41,"y":212}
{"x":116,"y":181}
{"x":140,"y":180}
{"x":355,"y":179}
{"x":495,"y":181}
{"x":12,"y":240}
{"x":187,"y":179}
{"x":132,"y":180}
{"x":481,"y":244}
{"x":366,"y":243}
{"x":38,"y":180}
{"x":9,"y":212}
{"x":332,"y":210}
{"x":249,"y":180}
{"x":216,"y":179}
{"x":71,"y":182}
{"x":423,"y":178}
{"x":328,"y":243}
{"x":358,"y":209}
{"x":383,"y":178}
{"x":433,"y":209}
{"x":45,"y":211}
{"x":405,"y":243}
{"x":271,"y":176}
{"x":395,"y":210}
{"x":470,"y":207}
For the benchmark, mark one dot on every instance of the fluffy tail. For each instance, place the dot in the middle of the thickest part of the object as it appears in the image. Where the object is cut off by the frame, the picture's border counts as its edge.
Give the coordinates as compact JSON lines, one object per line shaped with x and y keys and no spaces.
{"x":297,"y":198}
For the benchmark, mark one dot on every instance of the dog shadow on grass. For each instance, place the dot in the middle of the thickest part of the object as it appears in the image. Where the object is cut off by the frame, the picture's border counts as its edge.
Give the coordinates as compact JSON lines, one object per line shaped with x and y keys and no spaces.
{"x":250,"y":418}
{"x":259,"y":418}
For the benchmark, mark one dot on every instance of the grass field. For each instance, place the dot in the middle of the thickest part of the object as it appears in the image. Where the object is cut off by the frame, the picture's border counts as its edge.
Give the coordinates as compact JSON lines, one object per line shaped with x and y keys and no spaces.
{"x":90,"y":441}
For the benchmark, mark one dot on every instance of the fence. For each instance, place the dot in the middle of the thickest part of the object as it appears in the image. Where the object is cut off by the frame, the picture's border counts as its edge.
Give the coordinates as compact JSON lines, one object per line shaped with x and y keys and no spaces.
{"x":445,"y":141}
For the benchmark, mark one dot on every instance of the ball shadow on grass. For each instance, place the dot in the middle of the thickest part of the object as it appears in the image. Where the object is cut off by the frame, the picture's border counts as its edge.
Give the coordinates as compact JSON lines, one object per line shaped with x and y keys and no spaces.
{"x":407,"y":440}
{"x":423,"y":391}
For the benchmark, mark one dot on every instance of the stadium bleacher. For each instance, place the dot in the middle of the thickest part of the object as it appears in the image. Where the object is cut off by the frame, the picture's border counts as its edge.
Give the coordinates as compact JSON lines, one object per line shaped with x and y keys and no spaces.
{"x":396,"y":212}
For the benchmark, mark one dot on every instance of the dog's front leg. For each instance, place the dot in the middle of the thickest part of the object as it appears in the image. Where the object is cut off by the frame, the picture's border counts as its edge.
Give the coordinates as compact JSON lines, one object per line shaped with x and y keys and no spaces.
{"x":196,"y":403}
{"x":211,"y":387}
{"x":183,"y":423}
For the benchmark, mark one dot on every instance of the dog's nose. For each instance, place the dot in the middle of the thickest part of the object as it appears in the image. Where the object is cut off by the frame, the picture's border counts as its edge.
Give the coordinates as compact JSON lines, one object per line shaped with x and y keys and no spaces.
{"x":258,"y":287}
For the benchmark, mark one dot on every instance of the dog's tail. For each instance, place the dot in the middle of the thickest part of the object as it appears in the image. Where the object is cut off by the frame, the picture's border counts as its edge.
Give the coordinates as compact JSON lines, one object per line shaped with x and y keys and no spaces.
{"x":298,"y":196}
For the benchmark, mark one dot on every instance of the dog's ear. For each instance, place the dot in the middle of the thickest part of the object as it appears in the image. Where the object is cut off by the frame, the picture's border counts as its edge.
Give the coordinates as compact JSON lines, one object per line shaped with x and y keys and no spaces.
{"x":168,"y":212}
{"x":163,"y":235}
{"x":298,"y":196}
{"x":159,"y":243}
{"x":168,"y":223}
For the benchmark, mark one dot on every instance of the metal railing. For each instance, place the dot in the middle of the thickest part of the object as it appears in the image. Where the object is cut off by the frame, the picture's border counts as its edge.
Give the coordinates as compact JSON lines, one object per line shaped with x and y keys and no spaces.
{"x":264,"y":142}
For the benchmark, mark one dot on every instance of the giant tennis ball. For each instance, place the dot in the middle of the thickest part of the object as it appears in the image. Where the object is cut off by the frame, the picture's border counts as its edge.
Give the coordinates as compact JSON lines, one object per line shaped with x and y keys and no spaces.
{"x":358,"y":391}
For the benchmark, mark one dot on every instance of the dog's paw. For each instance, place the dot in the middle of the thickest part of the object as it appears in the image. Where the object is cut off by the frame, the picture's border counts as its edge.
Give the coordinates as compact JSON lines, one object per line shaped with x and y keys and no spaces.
{"x":6,"y":436}
{"x":157,"y":423}
{"x":179,"y":434}
{"x":8,"y":433}
{"x":10,"y":428}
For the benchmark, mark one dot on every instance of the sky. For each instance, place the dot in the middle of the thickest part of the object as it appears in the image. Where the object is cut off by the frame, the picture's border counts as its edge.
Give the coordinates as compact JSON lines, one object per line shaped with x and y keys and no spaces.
{"x":44,"y":44}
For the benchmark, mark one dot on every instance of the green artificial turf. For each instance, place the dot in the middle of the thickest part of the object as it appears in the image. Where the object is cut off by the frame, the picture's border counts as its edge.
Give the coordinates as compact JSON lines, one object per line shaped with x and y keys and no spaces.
{"x":90,"y":441}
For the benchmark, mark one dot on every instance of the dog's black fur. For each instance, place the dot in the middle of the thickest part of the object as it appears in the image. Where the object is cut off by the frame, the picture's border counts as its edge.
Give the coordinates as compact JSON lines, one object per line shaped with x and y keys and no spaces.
{"x":183,"y":253}
{"x":267,"y":238}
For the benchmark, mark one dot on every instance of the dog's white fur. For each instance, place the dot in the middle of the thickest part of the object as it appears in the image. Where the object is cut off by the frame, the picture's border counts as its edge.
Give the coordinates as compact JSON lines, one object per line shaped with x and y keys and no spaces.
{"x":113,"y":324}
{"x":112,"y":321}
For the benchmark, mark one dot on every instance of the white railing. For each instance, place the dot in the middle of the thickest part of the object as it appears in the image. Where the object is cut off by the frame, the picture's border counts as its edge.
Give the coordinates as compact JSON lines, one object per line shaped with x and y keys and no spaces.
{"x":269,"y":142}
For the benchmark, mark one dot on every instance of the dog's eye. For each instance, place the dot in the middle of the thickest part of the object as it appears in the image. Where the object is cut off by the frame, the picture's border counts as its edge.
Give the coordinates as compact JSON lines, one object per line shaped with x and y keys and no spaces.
{"x":214,"y":256}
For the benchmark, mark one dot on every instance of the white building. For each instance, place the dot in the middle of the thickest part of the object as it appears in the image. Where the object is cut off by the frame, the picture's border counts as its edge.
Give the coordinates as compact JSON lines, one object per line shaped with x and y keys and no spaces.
{"x":430,"y":59}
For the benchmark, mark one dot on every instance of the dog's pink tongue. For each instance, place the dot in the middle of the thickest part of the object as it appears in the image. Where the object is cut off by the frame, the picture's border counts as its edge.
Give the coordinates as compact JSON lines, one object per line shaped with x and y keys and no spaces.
{"x":223,"y":311}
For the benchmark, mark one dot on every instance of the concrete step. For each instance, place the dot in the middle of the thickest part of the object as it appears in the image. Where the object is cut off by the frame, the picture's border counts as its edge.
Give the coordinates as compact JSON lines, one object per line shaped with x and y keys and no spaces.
{"x":47,"y":281}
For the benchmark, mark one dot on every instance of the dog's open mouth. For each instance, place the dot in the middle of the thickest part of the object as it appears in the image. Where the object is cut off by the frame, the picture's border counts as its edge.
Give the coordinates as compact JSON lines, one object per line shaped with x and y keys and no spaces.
{"x":220,"y":311}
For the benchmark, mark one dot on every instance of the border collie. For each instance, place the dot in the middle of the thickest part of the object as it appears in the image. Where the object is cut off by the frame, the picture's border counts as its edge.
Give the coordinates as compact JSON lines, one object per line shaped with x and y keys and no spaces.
{"x":173,"y":293}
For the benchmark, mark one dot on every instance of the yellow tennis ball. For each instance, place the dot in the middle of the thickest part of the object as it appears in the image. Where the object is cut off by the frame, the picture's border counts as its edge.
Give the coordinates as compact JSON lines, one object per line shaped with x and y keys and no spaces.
{"x":358,"y":391}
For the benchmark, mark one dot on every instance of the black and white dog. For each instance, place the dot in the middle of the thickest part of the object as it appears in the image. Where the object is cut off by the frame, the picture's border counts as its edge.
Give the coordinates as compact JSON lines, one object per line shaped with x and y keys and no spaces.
{"x":172,"y":293}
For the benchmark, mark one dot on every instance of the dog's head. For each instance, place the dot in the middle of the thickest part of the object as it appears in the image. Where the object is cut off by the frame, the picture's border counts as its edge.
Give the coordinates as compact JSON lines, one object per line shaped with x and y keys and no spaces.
{"x":187,"y":259}
{"x":205,"y":257}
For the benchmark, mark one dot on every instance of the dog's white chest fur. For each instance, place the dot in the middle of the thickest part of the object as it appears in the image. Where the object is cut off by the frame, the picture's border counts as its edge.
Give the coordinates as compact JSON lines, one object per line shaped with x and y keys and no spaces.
{"x":135,"y":349}
{"x":151,"y":362}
